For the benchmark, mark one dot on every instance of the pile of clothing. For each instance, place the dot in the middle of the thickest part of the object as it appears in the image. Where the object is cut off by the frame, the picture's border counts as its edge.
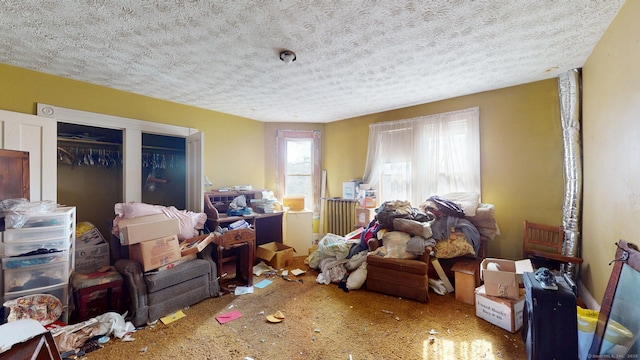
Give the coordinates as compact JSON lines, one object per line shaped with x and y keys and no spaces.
{"x":402,"y":230}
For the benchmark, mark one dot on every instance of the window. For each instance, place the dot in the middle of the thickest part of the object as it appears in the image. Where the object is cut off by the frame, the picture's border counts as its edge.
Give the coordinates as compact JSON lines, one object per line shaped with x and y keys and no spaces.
{"x":299,"y":166}
{"x":430,"y":155}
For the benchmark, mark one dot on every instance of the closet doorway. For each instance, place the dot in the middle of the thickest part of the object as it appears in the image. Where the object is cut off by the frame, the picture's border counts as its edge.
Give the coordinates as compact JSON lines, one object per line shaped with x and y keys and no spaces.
{"x":163,"y":170}
{"x":89,"y":172}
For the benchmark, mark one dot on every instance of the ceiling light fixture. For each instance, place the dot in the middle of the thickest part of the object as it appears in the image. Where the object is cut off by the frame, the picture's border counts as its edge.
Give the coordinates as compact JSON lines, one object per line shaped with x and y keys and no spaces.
{"x":287,"y":56}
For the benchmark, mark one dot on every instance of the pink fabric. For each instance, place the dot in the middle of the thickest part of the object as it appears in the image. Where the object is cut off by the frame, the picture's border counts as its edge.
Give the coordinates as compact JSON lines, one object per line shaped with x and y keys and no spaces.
{"x":190,"y":222}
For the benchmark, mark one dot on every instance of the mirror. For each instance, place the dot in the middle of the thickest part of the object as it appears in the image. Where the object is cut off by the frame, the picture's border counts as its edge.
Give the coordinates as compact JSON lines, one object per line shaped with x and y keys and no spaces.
{"x":618,"y":327}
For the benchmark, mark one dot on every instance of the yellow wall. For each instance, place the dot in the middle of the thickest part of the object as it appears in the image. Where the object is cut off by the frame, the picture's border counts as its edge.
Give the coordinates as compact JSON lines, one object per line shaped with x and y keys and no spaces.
{"x":611,"y":147}
{"x":521,"y":155}
{"x":229,"y":140}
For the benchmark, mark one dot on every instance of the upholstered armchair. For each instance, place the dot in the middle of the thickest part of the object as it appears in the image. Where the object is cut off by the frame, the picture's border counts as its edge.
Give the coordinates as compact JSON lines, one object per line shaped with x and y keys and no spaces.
{"x":157,"y":294}
{"x":400,"y":277}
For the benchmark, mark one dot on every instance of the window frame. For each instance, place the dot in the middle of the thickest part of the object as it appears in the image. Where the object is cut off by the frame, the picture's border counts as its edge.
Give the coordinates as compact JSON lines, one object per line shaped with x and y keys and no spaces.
{"x":282,"y":136}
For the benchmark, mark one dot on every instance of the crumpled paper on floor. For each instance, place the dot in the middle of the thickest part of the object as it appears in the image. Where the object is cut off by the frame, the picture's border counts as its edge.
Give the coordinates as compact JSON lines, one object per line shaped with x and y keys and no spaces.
{"x":262,"y":268}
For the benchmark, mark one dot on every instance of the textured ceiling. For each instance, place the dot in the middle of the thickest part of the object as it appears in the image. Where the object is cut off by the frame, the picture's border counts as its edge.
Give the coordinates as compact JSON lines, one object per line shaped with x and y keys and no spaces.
{"x":353,"y":57}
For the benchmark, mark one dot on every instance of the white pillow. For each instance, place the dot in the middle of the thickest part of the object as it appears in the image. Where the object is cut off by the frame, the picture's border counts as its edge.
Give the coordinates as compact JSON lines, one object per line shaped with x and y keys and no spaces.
{"x":468,"y":201}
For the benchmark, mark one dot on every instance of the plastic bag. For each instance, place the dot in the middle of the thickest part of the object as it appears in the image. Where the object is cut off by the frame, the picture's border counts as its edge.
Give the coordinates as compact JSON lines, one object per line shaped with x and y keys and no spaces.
{"x":238,"y":207}
{"x":587,"y":320}
{"x":18,"y":211}
{"x":331,"y":245}
{"x":44,"y":308}
{"x":335,"y":245}
{"x":438,"y":286}
{"x":357,"y":278}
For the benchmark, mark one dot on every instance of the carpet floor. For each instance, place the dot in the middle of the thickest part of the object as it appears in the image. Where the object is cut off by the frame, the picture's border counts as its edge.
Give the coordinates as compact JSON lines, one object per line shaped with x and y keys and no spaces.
{"x":321,"y":322}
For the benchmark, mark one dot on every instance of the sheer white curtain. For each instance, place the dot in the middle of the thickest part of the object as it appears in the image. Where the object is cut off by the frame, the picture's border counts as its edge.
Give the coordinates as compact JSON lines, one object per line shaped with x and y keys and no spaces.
{"x":427,"y":155}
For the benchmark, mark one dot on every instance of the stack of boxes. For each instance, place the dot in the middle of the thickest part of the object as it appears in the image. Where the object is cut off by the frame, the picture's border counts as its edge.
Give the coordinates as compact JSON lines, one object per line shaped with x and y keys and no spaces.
{"x":368,"y":202}
{"x":152,"y":240}
{"x":500,"y":300}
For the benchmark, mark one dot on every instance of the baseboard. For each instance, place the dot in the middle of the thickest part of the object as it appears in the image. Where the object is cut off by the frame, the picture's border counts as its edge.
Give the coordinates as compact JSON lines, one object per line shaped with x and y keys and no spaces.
{"x":586,"y":297}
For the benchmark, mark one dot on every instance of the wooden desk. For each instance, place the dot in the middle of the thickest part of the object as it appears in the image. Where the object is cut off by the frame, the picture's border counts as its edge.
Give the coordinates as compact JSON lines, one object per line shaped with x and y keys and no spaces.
{"x":243,"y":242}
{"x":268,"y":227}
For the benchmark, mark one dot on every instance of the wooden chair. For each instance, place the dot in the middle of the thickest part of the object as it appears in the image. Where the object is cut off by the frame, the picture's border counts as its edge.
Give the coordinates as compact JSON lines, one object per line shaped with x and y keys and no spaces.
{"x":543,"y":245}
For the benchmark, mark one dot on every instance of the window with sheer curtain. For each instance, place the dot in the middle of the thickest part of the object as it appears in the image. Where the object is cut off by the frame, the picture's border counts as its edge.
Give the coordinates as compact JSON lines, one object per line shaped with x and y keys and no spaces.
{"x":416,"y":158}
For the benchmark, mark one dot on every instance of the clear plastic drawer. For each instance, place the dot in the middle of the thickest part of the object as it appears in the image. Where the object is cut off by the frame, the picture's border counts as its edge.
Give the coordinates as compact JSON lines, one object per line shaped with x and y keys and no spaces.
{"x":60,"y":291}
{"x":58,"y":217}
{"x":25,"y":247}
{"x":36,"y":233}
{"x":48,"y":257}
{"x":31,"y":277}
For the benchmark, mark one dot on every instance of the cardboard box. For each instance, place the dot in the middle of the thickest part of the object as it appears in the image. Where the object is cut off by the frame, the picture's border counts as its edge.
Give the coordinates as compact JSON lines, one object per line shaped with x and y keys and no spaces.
{"x":147,"y":228}
{"x":503,"y":312}
{"x":507,"y":281}
{"x":140,"y":219}
{"x":294,"y":202}
{"x":364,"y":216}
{"x":467,"y":279}
{"x":153,"y":254}
{"x":195,"y":244}
{"x":349,"y":190}
{"x":277,"y":255}
{"x":369,"y":202}
{"x":90,"y":258}
{"x":89,"y":238}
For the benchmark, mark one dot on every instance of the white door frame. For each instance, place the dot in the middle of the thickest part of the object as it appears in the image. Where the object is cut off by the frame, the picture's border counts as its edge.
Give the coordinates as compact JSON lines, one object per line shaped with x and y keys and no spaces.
{"x":132,"y":142}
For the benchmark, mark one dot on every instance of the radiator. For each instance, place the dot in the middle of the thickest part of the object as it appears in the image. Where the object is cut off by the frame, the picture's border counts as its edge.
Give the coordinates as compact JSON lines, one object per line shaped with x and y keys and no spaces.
{"x":340,"y":215}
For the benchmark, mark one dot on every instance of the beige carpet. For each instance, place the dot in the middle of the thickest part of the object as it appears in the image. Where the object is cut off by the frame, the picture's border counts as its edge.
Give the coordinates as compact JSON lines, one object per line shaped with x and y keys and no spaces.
{"x":321,"y":322}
